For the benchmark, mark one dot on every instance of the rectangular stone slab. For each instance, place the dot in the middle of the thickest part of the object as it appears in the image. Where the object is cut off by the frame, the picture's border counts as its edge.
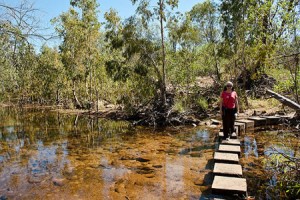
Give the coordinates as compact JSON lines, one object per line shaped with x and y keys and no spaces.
{"x":226,"y":157}
{"x":249,"y":124}
{"x":228,"y":169}
{"x":236,"y":130}
{"x":232,"y":142}
{"x":272,"y":120}
{"x":232,"y":185}
{"x":258,"y":121}
{"x":240,"y":127}
{"x":229,"y":148}
{"x":221,"y":134}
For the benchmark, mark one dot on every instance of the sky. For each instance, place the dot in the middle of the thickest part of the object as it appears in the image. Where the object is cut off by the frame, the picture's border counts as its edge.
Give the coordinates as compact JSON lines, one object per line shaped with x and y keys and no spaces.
{"x":48,"y":9}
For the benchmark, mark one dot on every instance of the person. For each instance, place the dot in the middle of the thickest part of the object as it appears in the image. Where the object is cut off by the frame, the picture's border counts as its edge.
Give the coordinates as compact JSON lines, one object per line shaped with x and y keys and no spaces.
{"x":229,"y":108}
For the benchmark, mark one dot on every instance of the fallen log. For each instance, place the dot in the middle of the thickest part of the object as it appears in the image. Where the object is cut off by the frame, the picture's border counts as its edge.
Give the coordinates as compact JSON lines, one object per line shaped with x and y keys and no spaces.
{"x":285,"y":101}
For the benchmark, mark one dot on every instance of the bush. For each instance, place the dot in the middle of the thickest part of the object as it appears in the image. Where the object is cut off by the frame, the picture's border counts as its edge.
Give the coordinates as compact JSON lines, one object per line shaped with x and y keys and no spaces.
{"x":202,"y":103}
{"x":178,"y":106}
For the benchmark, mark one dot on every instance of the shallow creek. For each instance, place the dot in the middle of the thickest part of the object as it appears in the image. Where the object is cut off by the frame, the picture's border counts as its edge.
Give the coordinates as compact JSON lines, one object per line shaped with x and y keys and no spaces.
{"x":48,"y":155}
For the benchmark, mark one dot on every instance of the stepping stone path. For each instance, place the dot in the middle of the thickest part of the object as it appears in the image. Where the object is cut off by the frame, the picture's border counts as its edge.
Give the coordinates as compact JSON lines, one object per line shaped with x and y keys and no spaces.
{"x":258,"y":121}
{"x":227,"y":170}
{"x":240,"y":127}
{"x":249,"y":124}
{"x":271,"y":120}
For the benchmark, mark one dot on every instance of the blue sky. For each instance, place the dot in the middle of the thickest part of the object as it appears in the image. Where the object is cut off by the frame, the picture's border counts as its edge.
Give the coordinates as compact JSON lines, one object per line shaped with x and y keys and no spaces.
{"x":53,"y":8}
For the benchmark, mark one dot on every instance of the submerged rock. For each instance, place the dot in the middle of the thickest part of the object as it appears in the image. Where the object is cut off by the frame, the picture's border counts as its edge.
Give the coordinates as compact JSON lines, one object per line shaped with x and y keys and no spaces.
{"x":58,"y":181}
{"x":140,"y":159}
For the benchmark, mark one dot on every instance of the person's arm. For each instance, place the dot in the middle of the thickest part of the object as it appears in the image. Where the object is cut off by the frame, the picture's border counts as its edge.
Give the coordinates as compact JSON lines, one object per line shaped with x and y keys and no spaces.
{"x":237,"y":104}
{"x":221,"y":104}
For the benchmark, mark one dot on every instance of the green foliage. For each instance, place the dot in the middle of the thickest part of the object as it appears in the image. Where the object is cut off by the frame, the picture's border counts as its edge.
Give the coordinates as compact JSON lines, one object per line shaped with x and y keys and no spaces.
{"x":50,"y":85}
{"x":178,"y":106}
{"x":79,"y":50}
{"x":131,"y":61}
{"x":285,"y":167}
{"x":202,"y":103}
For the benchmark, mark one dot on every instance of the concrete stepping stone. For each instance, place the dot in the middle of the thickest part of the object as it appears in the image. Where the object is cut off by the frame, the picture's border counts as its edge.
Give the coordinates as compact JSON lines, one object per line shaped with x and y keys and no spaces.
{"x":240,"y":127}
{"x":228,"y":169}
{"x":272,"y":120}
{"x":229,"y":148}
{"x":249,"y":124}
{"x":221,"y":134}
{"x":226,"y":157}
{"x":236,"y":130}
{"x":231,"y":142}
{"x":258,"y":121}
{"x":229,"y":185}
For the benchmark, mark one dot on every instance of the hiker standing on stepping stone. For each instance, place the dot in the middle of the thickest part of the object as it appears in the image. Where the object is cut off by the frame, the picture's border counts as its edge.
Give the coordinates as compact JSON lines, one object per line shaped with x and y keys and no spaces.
{"x":229,"y":108}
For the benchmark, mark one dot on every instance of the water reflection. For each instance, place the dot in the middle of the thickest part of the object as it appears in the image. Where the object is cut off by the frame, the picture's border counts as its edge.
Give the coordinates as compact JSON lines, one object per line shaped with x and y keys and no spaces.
{"x":202,"y":135}
{"x":263,"y":164}
{"x":46,"y":154}
{"x":250,"y":147}
{"x":276,"y":149}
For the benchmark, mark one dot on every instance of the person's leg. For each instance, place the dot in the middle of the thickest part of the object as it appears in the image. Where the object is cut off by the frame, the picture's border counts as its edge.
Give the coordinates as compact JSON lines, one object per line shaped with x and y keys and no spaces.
{"x":231,"y":122}
{"x":226,"y":119}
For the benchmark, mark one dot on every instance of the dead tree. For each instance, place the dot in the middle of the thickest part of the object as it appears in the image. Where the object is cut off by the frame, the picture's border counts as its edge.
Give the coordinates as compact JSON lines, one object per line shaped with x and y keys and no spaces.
{"x":285,"y":101}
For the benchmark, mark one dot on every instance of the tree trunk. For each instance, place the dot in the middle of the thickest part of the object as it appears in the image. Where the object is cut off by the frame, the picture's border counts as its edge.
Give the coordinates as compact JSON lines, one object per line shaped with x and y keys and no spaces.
{"x":97,"y":106}
{"x":284,"y":100}
{"x":76,"y":101}
{"x":163,"y":82}
{"x":216,"y":63}
{"x":297,"y":67}
{"x":57,"y":96}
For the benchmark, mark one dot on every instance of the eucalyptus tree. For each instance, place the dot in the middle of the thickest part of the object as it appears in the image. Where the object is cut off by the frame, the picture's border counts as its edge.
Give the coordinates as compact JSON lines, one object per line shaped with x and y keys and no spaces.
{"x":131,"y":59}
{"x":205,"y":18}
{"x":19,"y":26}
{"x":158,"y":12}
{"x":258,"y":25}
{"x":79,"y":29}
{"x":91,"y":30}
{"x":50,"y":76}
{"x":287,"y":52}
{"x":253,"y":31}
{"x":183,"y":65}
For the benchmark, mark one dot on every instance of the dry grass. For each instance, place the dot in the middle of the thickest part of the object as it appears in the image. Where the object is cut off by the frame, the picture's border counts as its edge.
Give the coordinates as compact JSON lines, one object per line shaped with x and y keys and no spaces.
{"x":264,"y":105}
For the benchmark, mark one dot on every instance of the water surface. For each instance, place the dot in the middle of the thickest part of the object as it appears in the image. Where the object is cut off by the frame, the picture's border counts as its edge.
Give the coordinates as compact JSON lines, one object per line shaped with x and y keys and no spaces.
{"x":45,"y":154}
{"x":48,"y":155}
